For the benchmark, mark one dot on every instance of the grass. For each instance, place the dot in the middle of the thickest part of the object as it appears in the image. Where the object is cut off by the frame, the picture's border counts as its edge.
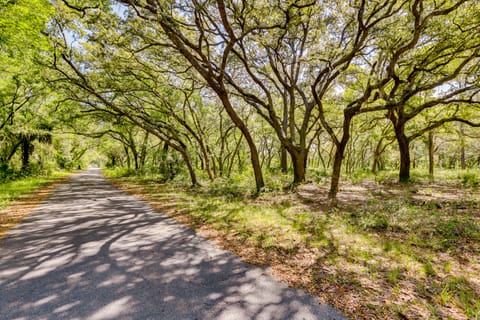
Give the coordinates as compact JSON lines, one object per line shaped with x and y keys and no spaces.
{"x":24,"y":194}
{"x":386,"y":250}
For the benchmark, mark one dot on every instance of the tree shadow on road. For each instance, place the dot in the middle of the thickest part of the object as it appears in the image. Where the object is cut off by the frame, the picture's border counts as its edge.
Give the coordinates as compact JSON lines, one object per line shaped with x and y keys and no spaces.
{"x":93,"y":252}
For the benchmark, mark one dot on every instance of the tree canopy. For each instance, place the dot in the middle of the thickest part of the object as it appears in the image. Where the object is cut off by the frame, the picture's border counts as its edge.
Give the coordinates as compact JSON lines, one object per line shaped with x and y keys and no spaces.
{"x":236,"y":85}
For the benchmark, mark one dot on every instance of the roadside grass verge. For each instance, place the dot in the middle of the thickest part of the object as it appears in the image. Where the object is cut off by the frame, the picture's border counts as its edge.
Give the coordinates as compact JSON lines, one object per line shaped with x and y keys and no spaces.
{"x":386,"y":251}
{"x":19,"y":197}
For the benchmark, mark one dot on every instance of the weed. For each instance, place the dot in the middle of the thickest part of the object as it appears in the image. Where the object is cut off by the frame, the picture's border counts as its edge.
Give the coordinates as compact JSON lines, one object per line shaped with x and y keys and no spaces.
{"x":428,"y":269}
{"x":447,"y":267}
{"x":469,"y":179}
{"x":445,"y":296}
{"x":466,"y":297}
{"x":394,"y":275}
{"x":318,"y":175}
{"x":457,"y":230}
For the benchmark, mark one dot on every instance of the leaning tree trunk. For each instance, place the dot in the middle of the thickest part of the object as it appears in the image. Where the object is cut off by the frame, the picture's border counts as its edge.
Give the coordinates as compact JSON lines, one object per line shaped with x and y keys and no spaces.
{"x":191,"y":170}
{"x":337,"y":169}
{"x":188,"y":162}
{"x":339,"y":156}
{"x":254,"y":158}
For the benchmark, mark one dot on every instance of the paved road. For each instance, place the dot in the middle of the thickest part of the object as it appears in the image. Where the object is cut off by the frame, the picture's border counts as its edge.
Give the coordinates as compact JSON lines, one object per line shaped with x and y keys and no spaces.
{"x":93,"y":252}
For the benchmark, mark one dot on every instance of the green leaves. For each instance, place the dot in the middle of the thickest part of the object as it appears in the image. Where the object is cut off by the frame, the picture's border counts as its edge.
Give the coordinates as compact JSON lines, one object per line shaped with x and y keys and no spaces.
{"x":21,"y":25}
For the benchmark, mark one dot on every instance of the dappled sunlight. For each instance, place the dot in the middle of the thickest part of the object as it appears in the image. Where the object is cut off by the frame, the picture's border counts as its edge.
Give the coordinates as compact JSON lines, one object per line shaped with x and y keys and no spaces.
{"x":94,"y":252}
{"x":384,"y":249}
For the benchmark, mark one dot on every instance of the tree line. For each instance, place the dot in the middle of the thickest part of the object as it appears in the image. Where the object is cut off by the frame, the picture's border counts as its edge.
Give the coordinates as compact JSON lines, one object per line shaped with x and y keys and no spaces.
{"x":228,"y":86}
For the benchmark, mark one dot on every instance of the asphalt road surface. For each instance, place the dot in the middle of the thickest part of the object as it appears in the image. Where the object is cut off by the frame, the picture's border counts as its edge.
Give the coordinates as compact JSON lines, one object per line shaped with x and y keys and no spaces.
{"x":94,"y":252}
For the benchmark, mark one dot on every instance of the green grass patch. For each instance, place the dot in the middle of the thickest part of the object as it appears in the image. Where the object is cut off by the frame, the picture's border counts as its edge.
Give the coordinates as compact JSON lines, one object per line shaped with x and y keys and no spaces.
{"x":14,"y":189}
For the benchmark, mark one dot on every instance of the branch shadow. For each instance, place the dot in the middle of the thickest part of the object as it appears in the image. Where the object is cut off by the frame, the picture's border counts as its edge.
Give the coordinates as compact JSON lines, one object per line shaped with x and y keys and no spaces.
{"x":93,"y":252}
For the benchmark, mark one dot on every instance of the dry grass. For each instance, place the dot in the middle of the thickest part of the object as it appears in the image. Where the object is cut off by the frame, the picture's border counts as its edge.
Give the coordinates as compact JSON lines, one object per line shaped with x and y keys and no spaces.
{"x":386,"y":251}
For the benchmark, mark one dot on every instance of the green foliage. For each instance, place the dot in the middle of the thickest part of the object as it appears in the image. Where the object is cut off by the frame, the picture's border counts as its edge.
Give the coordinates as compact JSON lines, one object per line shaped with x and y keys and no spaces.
{"x":470,"y":179}
{"x":21,"y":24}
{"x":461,"y":292}
{"x":457,"y":230}
{"x":395,"y":275}
{"x":318,"y":175}
{"x":231,"y":188}
{"x":17,"y":184}
{"x":394,"y":239}
{"x":7,"y":173}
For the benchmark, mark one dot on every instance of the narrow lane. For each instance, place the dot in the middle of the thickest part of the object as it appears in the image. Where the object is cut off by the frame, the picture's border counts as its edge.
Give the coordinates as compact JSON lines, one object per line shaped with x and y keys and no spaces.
{"x":94,"y":252}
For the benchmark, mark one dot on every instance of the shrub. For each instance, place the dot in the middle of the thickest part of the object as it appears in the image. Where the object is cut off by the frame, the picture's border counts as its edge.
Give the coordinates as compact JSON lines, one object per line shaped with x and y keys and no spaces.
{"x":469,"y":179}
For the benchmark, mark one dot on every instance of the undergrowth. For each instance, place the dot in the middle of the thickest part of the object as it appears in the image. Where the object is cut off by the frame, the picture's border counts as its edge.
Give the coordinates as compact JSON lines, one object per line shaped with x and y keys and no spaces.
{"x":389,"y":251}
{"x":13,"y":188}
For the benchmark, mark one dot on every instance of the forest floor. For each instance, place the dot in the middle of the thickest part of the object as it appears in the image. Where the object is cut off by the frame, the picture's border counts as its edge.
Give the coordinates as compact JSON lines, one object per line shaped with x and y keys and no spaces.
{"x":19,"y":197}
{"x":386,"y":250}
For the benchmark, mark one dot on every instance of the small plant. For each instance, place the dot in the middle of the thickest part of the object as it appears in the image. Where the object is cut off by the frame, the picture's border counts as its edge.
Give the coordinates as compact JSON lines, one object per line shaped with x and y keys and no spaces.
{"x":394,"y":275}
{"x":465,"y":296}
{"x":374,"y":222}
{"x":469,"y":179}
{"x":428,"y":269}
{"x":444,"y":296}
{"x":318,"y":175}
{"x":456,"y":231}
{"x":447,"y":267}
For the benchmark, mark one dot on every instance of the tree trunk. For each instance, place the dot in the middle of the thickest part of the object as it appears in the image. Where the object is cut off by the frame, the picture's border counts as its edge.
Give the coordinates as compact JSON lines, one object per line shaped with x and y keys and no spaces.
{"x":13,"y":151}
{"x":163,"y":158}
{"x":135,"y":158}
{"x":127,"y":154}
{"x":283,"y":150}
{"x":283,"y":160}
{"x":463,"y":163}
{"x":235,"y":153}
{"x":188,"y":162}
{"x":339,"y":155}
{"x":26,"y":150}
{"x":431,"y":159}
{"x":336,"y":171}
{"x":206,"y":162}
{"x":403,"y":144}
{"x":133,"y":148}
{"x":299,"y":162}
{"x":143,"y":151}
{"x":404,"y":149}
{"x":254,"y":158}
{"x":376,"y":156}
{"x":202,"y":162}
